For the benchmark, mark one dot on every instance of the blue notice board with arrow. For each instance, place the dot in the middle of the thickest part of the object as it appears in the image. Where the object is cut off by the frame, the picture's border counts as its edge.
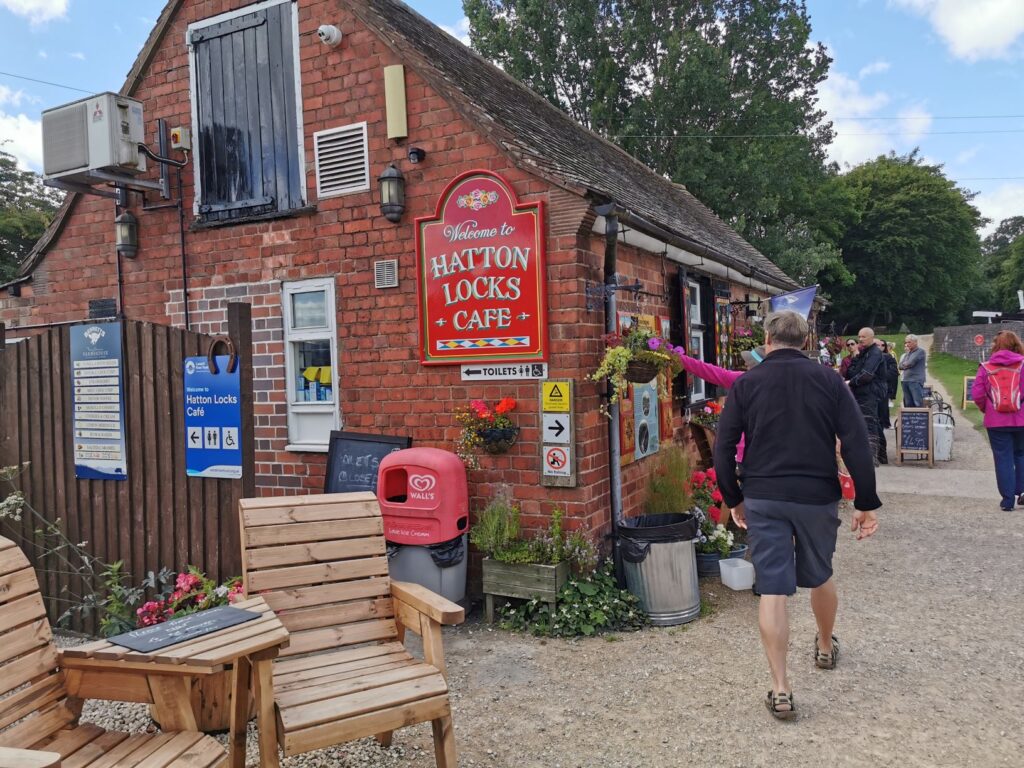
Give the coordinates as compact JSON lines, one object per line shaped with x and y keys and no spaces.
{"x":213,"y":419}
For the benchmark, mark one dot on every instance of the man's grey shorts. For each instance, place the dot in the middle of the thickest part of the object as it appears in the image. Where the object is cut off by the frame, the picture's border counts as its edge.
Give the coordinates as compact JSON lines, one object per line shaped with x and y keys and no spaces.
{"x":791,"y":545}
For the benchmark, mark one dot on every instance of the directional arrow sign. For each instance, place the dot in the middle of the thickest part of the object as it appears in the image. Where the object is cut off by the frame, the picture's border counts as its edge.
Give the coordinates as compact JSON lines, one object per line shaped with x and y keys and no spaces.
{"x":556,"y":428}
{"x":504,"y":371}
{"x":195,"y":437}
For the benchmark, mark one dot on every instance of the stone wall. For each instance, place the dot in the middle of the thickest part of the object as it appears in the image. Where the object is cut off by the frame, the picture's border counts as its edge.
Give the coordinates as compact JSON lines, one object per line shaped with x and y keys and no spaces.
{"x":959,"y":340}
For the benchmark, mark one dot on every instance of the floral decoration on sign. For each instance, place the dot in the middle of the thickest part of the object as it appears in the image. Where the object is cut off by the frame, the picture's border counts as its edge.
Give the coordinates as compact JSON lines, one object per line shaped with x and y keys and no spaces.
{"x":477,"y":200}
{"x":485,"y":427}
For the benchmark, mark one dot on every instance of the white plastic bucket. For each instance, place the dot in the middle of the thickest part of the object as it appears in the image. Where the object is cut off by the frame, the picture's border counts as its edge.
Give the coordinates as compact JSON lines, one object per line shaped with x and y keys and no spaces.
{"x":736,"y":573}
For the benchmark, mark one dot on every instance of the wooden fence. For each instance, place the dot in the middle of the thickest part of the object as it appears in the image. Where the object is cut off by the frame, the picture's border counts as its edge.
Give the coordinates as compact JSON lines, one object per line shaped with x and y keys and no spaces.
{"x":156,"y":518}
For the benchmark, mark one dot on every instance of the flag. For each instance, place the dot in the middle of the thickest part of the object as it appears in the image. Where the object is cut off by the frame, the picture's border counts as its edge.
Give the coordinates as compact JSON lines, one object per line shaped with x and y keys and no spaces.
{"x":799,"y":301}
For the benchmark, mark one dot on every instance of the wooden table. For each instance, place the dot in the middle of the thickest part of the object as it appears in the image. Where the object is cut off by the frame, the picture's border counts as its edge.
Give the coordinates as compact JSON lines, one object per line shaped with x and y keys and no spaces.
{"x":100,"y":669}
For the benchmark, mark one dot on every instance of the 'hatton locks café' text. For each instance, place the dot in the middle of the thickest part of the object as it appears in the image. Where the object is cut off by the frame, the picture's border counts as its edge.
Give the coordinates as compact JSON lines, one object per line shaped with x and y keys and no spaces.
{"x":482,"y":287}
{"x":195,"y":404}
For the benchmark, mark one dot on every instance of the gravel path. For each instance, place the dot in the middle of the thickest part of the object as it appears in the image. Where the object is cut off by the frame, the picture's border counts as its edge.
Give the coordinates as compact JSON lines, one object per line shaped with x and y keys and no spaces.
{"x":931,"y":620}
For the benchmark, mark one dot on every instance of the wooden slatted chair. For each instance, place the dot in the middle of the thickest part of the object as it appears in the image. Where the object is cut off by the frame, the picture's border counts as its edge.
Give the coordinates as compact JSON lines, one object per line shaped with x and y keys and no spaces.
{"x":320,"y":563}
{"x":39,"y":718}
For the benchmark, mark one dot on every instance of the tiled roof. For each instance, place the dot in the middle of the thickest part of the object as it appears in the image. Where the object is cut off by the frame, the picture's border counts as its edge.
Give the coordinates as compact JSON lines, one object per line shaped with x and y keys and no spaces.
{"x":538,"y":135}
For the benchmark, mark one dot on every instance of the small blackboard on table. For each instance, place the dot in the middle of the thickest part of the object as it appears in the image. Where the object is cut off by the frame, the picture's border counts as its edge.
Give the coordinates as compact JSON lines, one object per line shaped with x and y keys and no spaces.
{"x":914,"y":435}
{"x":186,"y":628}
{"x":353,"y":458}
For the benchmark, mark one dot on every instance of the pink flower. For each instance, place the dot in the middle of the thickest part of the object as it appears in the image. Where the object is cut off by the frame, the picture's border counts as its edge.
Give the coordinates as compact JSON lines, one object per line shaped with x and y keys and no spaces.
{"x":236,"y":593}
{"x":186,"y":582}
{"x":654,"y":343}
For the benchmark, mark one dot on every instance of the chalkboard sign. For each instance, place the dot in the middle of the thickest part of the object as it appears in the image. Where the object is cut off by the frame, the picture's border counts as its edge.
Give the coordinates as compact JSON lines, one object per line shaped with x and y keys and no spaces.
{"x":186,"y":628}
{"x":353,"y":459}
{"x":968,"y":385}
{"x":914,"y":434}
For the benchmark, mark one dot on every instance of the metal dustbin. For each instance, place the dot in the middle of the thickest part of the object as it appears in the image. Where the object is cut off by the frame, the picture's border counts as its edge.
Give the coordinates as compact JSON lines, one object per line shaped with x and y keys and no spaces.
{"x":660,"y":563}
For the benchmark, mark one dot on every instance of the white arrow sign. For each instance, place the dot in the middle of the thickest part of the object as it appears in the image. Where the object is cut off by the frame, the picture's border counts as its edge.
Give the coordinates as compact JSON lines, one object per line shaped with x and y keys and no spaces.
{"x":556,"y":428}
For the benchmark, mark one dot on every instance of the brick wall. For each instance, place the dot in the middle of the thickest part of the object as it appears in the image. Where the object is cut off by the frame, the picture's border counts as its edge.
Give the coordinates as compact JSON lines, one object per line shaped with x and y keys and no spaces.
{"x":381,"y":385}
{"x":959,"y":339}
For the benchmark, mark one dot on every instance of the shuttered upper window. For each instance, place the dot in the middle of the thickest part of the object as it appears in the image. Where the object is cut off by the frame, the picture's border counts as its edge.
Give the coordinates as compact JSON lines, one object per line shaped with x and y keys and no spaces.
{"x":245,"y":112}
{"x":342,"y":161}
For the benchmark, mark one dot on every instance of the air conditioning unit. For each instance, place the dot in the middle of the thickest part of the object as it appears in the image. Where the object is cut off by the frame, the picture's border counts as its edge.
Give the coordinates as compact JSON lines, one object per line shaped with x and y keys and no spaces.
{"x":100,"y":133}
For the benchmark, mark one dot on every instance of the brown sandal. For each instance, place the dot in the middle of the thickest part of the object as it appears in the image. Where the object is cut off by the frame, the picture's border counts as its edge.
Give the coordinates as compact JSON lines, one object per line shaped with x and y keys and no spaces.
{"x":828,"y":660}
{"x":775,"y":702}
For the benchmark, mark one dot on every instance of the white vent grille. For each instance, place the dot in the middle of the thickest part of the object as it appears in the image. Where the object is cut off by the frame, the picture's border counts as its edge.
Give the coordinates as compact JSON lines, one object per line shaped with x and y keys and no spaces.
{"x":342,"y":161}
{"x":385,"y":274}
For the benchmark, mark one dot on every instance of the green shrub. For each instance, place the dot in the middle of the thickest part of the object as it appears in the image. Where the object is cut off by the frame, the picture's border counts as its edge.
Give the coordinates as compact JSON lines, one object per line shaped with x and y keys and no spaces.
{"x":497,"y":527}
{"x":587,"y":605}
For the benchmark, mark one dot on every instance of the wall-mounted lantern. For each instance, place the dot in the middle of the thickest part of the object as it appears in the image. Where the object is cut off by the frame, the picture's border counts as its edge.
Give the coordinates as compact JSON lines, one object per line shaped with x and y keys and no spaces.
{"x":126,"y":235}
{"x":392,"y":193}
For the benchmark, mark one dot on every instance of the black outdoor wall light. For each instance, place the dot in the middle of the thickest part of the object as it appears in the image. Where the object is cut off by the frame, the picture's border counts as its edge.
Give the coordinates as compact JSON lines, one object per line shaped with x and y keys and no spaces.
{"x":126,"y":235}
{"x":392,"y":193}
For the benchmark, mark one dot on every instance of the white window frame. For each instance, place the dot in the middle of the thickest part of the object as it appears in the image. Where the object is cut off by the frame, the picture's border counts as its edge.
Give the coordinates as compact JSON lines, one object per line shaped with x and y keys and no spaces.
{"x":694,"y":319}
{"x":193,"y":87}
{"x":301,"y":410}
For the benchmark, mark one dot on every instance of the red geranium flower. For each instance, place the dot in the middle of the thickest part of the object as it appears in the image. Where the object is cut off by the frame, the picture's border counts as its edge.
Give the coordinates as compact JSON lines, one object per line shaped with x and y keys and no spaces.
{"x":712,"y":475}
{"x":716,"y":496}
{"x":715,"y":514}
{"x":505,"y":405}
{"x":698,"y":478}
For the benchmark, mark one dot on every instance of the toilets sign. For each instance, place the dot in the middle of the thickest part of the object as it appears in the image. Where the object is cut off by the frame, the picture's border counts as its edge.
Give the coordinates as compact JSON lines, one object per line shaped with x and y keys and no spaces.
{"x":480,"y":273}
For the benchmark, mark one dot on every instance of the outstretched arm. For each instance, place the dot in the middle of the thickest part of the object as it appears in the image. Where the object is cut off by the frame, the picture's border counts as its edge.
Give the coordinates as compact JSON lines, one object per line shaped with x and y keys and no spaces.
{"x":712,"y":374}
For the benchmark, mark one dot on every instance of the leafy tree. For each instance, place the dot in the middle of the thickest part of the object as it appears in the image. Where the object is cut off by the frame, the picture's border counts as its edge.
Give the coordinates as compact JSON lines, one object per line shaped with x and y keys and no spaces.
{"x":1001,"y":264}
{"x":720,"y":95}
{"x":26,"y":208}
{"x":913,"y":248}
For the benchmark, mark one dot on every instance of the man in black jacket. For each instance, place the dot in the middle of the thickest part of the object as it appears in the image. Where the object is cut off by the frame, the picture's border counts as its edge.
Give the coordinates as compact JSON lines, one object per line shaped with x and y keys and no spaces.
{"x":792,"y":411}
{"x":866,"y":376}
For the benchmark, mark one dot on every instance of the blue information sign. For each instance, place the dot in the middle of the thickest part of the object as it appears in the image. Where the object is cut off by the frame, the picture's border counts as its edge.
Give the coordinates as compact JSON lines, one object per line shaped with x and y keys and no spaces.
{"x":213,"y":419}
{"x":97,"y":402}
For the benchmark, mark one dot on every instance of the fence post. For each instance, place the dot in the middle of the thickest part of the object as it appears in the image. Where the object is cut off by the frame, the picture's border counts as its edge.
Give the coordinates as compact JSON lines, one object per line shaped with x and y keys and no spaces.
{"x":240,"y":331}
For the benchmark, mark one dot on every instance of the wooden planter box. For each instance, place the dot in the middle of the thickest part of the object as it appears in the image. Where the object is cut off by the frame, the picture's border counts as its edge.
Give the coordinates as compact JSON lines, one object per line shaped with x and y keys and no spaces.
{"x":524,"y":580}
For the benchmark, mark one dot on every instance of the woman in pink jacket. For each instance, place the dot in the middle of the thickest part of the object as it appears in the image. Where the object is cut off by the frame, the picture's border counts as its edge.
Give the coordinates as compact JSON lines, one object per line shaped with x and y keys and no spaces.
{"x":1004,"y":419}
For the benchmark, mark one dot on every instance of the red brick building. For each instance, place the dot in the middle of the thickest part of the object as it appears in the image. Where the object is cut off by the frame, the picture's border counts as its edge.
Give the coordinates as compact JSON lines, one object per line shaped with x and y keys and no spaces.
{"x":282,"y":209}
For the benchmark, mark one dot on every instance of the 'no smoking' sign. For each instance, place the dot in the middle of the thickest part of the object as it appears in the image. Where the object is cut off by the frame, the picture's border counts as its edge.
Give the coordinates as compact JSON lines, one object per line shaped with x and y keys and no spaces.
{"x":557,"y":461}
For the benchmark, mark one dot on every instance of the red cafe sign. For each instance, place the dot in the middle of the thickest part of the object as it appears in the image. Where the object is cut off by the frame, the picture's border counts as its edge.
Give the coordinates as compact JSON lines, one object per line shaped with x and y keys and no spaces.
{"x":481,"y":275}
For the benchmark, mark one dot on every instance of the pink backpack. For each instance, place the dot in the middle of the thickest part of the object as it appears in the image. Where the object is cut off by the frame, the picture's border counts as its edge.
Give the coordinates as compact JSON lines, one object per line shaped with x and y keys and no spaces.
{"x":1004,"y":386}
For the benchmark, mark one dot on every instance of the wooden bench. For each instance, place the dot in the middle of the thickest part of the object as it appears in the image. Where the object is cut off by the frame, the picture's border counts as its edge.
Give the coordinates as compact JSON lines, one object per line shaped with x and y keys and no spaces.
{"x":320,"y":563}
{"x":38,"y":717}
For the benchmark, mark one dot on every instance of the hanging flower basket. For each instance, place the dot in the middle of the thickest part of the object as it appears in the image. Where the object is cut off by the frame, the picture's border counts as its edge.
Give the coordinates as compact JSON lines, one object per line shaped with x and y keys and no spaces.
{"x":497,"y":440}
{"x":640,"y":372}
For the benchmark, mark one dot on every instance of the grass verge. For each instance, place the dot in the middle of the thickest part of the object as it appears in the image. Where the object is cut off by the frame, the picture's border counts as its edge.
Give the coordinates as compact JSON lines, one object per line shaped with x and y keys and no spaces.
{"x":950,"y":371}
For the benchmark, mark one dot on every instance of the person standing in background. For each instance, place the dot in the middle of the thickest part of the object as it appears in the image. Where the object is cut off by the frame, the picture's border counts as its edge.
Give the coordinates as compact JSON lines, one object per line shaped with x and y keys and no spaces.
{"x":912,"y":364}
{"x":996,"y":392}
{"x":866,"y":377}
{"x":851,"y":352}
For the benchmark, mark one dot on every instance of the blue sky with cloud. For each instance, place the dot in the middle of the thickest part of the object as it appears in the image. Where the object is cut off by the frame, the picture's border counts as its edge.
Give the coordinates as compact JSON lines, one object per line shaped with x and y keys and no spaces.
{"x":942,"y":75}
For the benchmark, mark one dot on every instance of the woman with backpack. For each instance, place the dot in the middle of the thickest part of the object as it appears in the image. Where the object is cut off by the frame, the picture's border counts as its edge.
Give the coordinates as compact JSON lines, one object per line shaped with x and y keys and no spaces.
{"x":996,"y":392}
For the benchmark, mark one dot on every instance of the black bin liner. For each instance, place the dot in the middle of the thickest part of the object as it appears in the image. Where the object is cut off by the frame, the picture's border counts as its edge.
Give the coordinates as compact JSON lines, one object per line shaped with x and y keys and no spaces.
{"x":445,"y":555}
{"x":636,"y":534}
{"x":448,"y":553}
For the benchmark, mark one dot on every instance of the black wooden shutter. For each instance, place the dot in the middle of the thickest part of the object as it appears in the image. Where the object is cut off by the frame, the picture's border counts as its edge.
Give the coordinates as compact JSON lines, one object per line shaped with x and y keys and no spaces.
{"x":248,"y":134}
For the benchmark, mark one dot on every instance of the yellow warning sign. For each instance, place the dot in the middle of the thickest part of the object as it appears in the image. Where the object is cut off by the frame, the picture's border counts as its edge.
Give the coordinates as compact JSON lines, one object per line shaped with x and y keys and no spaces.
{"x":555,"y":396}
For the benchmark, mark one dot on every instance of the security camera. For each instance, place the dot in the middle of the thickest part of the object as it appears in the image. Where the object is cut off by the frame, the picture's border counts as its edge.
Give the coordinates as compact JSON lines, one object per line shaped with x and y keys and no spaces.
{"x":329,"y":35}
{"x":416,"y":155}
